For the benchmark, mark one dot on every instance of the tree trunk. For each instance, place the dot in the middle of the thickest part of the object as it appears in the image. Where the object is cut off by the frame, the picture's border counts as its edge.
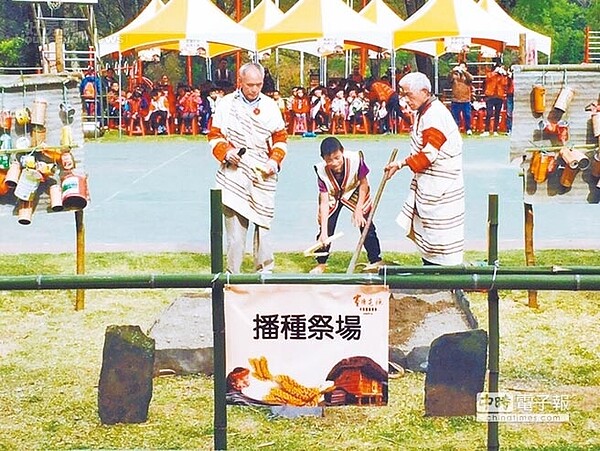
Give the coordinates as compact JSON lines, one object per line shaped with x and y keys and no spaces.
{"x":424,"y":63}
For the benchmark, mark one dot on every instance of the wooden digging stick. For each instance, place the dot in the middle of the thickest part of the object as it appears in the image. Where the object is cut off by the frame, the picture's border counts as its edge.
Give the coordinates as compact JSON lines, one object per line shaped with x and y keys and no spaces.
{"x":363,"y":235}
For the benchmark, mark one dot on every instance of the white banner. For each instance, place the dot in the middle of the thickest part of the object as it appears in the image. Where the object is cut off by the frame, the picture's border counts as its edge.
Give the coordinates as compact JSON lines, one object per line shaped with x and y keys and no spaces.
{"x":456,"y":44}
{"x":193,"y":47}
{"x":307,"y":345}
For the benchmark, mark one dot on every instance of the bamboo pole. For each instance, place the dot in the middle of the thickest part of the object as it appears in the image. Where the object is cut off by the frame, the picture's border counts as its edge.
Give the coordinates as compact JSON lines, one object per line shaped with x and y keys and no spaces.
{"x":218,"y":319}
{"x":80,"y":257}
{"x":493,"y":318}
{"x":365,"y":230}
{"x":571,"y":281}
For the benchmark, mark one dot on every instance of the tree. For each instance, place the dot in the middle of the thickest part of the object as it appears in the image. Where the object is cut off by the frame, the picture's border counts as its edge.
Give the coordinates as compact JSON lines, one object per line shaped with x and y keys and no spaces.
{"x":562,"y":20}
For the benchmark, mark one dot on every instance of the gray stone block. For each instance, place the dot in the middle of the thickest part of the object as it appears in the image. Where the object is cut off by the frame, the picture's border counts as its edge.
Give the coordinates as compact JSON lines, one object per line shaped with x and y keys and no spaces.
{"x":456,"y":373}
{"x":184,"y":337}
{"x":125,"y":387}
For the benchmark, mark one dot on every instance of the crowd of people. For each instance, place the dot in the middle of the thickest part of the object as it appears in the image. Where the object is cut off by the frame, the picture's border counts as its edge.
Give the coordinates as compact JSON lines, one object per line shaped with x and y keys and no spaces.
{"x":488,"y":111}
{"x":156,"y":108}
{"x":345,"y":105}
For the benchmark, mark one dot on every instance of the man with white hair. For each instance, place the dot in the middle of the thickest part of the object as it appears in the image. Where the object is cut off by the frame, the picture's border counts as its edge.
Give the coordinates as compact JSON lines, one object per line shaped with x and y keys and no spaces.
{"x":433,"y":214}
{"x":249,"y":139}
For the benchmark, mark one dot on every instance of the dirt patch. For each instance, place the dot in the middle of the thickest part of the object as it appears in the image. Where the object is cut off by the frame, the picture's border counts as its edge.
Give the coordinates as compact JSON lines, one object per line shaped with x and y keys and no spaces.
{"x":407,"y":313}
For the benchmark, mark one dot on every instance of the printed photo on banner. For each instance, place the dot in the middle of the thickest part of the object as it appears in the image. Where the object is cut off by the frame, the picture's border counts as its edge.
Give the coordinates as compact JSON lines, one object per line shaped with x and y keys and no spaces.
{"x":309,"y":345}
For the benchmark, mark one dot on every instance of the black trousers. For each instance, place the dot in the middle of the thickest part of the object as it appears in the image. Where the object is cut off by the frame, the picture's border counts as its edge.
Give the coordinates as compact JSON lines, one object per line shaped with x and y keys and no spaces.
{"x":371,"y":243}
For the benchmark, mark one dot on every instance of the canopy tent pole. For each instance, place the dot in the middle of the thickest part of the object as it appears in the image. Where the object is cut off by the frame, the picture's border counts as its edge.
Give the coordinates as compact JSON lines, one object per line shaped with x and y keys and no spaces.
{"x":436,"y":74}
{"x":188,"y":70}
{"x":120,"y":69}
{"x":363,"y":62}
{"x":393,"y":69}
{"x":301,"y":68}
{"x":238,"y":54}
{"x":277,"y":65}
{"x":348,"y":62}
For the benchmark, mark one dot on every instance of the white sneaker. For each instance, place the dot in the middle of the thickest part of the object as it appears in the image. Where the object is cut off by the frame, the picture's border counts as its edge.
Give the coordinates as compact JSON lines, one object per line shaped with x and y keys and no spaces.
{"x":469,"y":132}
{"x":485,"y":134}
{"x":496,"y":134}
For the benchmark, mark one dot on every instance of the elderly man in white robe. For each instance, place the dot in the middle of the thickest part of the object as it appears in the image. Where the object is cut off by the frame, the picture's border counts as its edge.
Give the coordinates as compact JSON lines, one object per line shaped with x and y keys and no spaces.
{"x":249,"y":139}
{"x":433,"y":214}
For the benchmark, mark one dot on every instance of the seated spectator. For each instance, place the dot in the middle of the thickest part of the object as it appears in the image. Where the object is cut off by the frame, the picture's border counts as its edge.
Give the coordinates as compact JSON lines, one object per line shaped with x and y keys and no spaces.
{"x":114,"y":104}
{"x":158,"y":112}
{"x":300,"y":111}
{"x":356,"y":77}
{"x":188,"y":105}
{"x":358,"y":109}
{"x":379,"y":116}
{"x":339,"y":109}
{"x":164,"y":85}
{"x":204,"y":111}
{"x":280,"y":101}
{"x":319,"y":109}
{"x":137,"y":106}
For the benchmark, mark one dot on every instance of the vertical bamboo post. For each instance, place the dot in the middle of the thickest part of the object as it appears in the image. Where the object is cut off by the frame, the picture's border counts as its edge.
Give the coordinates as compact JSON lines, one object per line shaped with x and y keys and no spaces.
{"x":522,"y":48}
{"x":218,"y":318}
{"x":58,"y":50}
{"x":493,"y":319}
{"x":529,"y":251}
{"x":80,"y":257}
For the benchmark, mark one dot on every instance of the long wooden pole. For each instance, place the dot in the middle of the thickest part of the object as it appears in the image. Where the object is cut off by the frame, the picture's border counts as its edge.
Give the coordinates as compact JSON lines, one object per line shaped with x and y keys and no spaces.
{"x":529,"y":251}
{"x":363,"y":235}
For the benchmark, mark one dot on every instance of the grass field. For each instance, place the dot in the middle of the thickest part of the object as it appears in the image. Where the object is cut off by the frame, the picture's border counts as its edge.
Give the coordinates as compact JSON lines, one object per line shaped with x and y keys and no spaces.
{"x":50,"y":358}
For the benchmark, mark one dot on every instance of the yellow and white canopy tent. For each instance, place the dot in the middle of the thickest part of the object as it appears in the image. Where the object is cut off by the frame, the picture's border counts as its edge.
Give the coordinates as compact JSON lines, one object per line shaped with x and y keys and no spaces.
{"x":110,"y":43}
{"x":310,"y":20}
{"x":265,"y":15}
{"x":330,"y":23}
{"x":535,"y":41}
{"x":378,"y":12}
{"x":194,"y":21}
{"x":444,"y":19}
{"x":384,"y":17}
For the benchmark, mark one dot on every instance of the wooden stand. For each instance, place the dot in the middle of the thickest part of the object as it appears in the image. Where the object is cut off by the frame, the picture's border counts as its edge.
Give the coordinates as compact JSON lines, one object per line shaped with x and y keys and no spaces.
{"x":529,"y":252}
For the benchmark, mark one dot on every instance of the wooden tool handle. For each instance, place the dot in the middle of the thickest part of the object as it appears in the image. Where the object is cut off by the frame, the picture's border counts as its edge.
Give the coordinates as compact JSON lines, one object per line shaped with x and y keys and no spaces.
{"x":363,"y":235}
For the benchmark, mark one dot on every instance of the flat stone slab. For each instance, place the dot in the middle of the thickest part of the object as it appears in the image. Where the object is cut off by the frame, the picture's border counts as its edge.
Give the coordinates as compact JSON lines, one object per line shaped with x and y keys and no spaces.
{"x":184,"y":336}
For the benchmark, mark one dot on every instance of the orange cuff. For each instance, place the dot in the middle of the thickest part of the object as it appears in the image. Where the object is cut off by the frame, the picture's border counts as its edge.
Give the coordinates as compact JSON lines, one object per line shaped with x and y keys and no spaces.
{"x":418,"y":162}
{"x":277,"y":154}
{"x":220,"y":150}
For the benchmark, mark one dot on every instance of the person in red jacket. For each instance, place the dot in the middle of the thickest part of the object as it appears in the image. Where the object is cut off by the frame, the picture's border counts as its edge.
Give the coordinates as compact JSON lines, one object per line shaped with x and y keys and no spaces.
{"x":494,"y":92}
{"x":300,"y":110}
{"x":382,"y":92}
